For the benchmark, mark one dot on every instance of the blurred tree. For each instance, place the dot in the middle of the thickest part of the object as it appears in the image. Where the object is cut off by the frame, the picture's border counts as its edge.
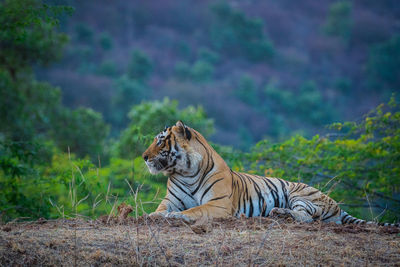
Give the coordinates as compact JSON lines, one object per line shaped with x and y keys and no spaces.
{"x":149,"y":118}
{"x":383,"y":67}
{"x":235,"y":34}
{"x":128,"y":93}
{"x":28,"y":35}
{"x":182,"y":70}
{"x":208,"y":55}
{"x":106,"y":41}
{"x":140,"y":66}
{"x":107,"y":68}
{"x":84,"y":33}
{"x":247,"y":90}
{"x":83,"y":131}
{"x":202,"y":71}
{"x":311,"y":105}
{"x":339,"y":21}
{"x":343,"y":85}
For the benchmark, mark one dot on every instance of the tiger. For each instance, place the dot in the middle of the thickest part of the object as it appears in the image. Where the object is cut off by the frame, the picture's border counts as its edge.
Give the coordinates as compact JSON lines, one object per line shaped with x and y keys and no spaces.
{"x":201,"y":186}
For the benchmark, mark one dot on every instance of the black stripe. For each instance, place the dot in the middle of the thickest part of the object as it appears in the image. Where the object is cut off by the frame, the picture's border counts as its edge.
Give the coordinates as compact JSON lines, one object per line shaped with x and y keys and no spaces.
{"x":330,"y":216}
{"x":188,"y":133}
{"x":260,"y":197}
{"x":251,"y":208}
{"x":180,"y":200}
{"x":218,"y":198}
{"x":273,"y":185}
{"x":207,"y":167}
{"x":344,"y":217}
{"x":217,"y":206}
{"x":352,"y":220}
{"x":175,"y":145}
{"x":188,"y":163}
{"x":311,"y":193}
{"x":208,"y":188}
{"x":173,"y":181}
{"x":311,"y":208}
{"x":233,"y":185}
{"x":285,"y":194}
{"x":173,"y":204}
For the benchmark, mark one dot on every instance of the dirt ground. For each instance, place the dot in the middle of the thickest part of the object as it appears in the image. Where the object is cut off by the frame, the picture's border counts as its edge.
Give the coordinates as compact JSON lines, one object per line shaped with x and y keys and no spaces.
{"x":241,"y":242}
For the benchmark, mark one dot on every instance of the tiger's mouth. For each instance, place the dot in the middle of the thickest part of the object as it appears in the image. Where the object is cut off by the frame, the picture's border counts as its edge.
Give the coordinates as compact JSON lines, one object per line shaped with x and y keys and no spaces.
{"x":155,"y":166}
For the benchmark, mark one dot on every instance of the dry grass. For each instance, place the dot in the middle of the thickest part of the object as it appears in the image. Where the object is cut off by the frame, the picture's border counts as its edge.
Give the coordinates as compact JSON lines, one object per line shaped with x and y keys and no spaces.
{"x":244,"y":242}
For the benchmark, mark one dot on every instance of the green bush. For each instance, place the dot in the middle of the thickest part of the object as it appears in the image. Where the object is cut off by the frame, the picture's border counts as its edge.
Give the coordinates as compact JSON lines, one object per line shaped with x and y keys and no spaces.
{"x":339,"y":21}
{"x":28,"y":35}
{"x":82,"y":131}
{"x":107,"y":68}
{"x":84,"y":33}
{"x":209,"y":56}
{"x":238,"y":35}
{"x":357,"y":165}
{"x":182,"y":70}
{"x":140,"y":66}
{"x":383,"y":67}
{"x":106,"y":41}
{"x":202,"y":71}
{"x":128,"y":92}
{"x":246,"y":90}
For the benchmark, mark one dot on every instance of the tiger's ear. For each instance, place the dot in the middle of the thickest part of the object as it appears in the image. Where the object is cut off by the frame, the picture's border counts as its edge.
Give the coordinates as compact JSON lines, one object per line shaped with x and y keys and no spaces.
{"x":183,"y":130}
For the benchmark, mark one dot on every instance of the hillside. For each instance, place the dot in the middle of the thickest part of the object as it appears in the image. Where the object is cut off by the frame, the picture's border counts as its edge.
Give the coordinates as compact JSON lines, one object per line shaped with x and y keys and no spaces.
{"x":277,"y":67}
{"x":143,"y":241}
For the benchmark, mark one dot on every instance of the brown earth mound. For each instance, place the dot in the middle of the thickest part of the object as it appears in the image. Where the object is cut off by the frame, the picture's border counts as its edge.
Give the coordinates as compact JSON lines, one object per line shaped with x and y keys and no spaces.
{"x":158,"y":241}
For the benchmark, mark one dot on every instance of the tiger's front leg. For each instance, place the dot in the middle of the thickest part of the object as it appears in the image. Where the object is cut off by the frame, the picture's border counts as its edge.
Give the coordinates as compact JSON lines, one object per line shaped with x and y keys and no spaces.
{"x":205,"y":212}
{"x":162,"y":209}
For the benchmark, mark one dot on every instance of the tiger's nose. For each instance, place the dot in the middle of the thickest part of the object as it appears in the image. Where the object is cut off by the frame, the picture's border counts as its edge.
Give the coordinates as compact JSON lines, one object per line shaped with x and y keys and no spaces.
{"x":145,"y":157}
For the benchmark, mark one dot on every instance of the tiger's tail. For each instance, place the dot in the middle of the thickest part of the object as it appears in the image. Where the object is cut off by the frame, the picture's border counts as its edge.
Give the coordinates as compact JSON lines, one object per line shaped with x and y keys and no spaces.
{"x":346,"y":218}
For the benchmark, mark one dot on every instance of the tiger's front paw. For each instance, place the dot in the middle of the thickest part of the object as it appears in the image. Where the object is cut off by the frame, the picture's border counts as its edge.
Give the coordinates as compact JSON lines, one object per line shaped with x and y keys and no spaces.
{"x":158,"y":214}
{"x":179,"y":215}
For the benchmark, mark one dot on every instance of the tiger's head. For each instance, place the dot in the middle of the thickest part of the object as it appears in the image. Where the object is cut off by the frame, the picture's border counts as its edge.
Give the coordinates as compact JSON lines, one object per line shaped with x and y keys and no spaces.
{"x":173,"y":151}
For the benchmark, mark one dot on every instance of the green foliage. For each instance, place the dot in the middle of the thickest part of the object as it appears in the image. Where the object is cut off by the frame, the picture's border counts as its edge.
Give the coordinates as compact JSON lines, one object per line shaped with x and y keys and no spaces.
{"x":247,"y":90}
{"x":201,"y":71}
{"x":311,"y":104}
{"x":339,"y":22}
{"x":383,"y":66}
{"x":343,"y":85}
{"x":358,"y":166}
{"x":83,"y":131}
{"x":208,"y":56}
{"x":84,"y":33}
{"x":28,"y":35}
{"x":27,"y":107}
{"x":140,"y":66}
{"x":106,"y":41}
{"x":107,"y":68}
{"x":307,"y":106}
{"x":128,"y":92}
{"x":238,"y":35}
{"x":149,"y":118}
{"x":182,"y":70}
{"x":88,"y":190}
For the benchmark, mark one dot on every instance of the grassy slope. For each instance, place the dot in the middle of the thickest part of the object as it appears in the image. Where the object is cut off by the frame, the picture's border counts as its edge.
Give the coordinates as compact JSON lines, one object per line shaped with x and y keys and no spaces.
{"x":255,"y":241}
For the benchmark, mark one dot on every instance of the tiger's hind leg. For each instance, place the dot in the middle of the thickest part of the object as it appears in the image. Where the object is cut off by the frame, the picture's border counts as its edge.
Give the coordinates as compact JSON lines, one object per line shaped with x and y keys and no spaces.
{"x":307,"y":204}
{"x":298,"y":214}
